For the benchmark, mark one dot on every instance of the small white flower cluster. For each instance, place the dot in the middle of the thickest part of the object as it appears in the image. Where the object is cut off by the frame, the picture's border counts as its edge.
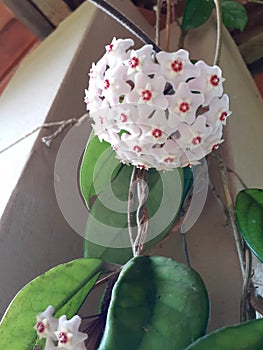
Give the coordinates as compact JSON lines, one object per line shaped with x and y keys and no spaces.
{"x":60,"y":331}
{"x":156,"y":109}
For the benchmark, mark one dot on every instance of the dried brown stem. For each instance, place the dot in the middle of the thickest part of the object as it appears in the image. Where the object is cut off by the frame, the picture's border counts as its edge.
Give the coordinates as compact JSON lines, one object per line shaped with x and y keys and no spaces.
{"x":237,"y":176}
{"x":245,"y":306}
{"x":130,"y":209}
{"x":138,"y":190}
{"x":47,"y":140}
{"x":106,"y":279}
{"x":167,"y":25}
{"x":157,"y":9}
{"x":142,"y":214}
{"x":231,"y":211}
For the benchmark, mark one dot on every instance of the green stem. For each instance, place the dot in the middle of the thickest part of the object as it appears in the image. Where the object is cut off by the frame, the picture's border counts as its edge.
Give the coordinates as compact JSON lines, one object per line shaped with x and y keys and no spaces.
{"x":219,"y":32}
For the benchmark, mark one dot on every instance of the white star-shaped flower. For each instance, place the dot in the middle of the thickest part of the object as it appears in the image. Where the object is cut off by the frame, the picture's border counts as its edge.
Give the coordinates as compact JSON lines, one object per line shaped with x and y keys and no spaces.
{"x":68,"y":335}
{"x":192,"y":157}
{"x":218,"y":111}
{"x":148,"y":91}
{"x":92,"y":100}
{"x":214,"y":140}
{"x":193,"y":136}
{"x":156,"y":110}
{"x":184,"y":103}
{"x":168,"y":156}
{"x":209,"y":83}
{"x":114,"y":85}
{"x":46,"y":323}
{"x":141,"y":61}
{"x":176,"y":66}
{"x":50,"y":345}
{"x":116,"y":51}
{"x":97,"y":70}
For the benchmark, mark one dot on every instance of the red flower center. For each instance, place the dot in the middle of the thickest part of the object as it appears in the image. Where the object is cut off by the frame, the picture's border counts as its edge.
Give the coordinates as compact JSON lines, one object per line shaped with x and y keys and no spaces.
{"x":40,"y":327}
{"x":140,"y":166}
{"x":106,"y":84}
{"x":62,"y":337}
{"x":157,"y":133}
{"x":137,"y":148}
{"x":215,"y":147}
{"x":124,"y":118}
{"x":168,"y":160}
{"x":110,"y":48}
{"x":196,"y":140}
{"x":101,"y":120}
{"x":177,"y":66}
{"x":214,"y":80}
{"x":146,"y":95}
{"x":223,"y":116}
{"x":184,"y":107}
{"x":133,"y":62}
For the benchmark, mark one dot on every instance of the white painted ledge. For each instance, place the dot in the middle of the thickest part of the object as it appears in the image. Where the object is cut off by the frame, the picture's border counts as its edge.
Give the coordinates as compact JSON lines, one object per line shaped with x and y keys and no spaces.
{"x":27,"y":100}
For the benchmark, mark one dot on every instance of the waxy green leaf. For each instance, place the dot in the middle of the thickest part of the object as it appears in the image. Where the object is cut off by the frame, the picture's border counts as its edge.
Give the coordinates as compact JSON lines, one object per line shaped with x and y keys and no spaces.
{"x":99,"y":165}
{"x":246,"y":336}
{"x":65,"y":287}
{"x":196,"y":13}
{"x":249,"y":214}
{"x":107,"y":235}
{"x":234,"y":15}
{"x":156,"y":304}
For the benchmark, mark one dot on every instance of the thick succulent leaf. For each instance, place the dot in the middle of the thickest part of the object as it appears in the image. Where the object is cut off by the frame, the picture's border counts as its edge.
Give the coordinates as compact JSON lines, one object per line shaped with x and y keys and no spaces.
{"x":249,"y":214}
{"x":107,"y":234}
{"x":156,"y":303}
{"x":65,"y":287}
{"x":246,"y":336}
{"x":109,"y":226}
{"x":99,"y":165}
{"x":234,"y":15}
{"x":196,"y":13}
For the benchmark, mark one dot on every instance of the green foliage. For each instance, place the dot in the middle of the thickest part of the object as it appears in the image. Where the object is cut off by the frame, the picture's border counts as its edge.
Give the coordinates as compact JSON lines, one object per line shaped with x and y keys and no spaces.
{"x":65,"y":287}
{"x":249,"y":214}
{"x":109,"y":225}
{"x":156,"y":303}
{"x":99,"y":165}
{"x":246,"y":336}
{"x":196,"y":13}
{"x":234,"y":15}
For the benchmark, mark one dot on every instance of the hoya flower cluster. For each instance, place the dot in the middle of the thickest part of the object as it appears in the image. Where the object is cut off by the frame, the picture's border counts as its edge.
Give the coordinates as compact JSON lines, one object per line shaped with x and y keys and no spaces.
{"x":62,"y":332}
{"x":156,"y":109}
